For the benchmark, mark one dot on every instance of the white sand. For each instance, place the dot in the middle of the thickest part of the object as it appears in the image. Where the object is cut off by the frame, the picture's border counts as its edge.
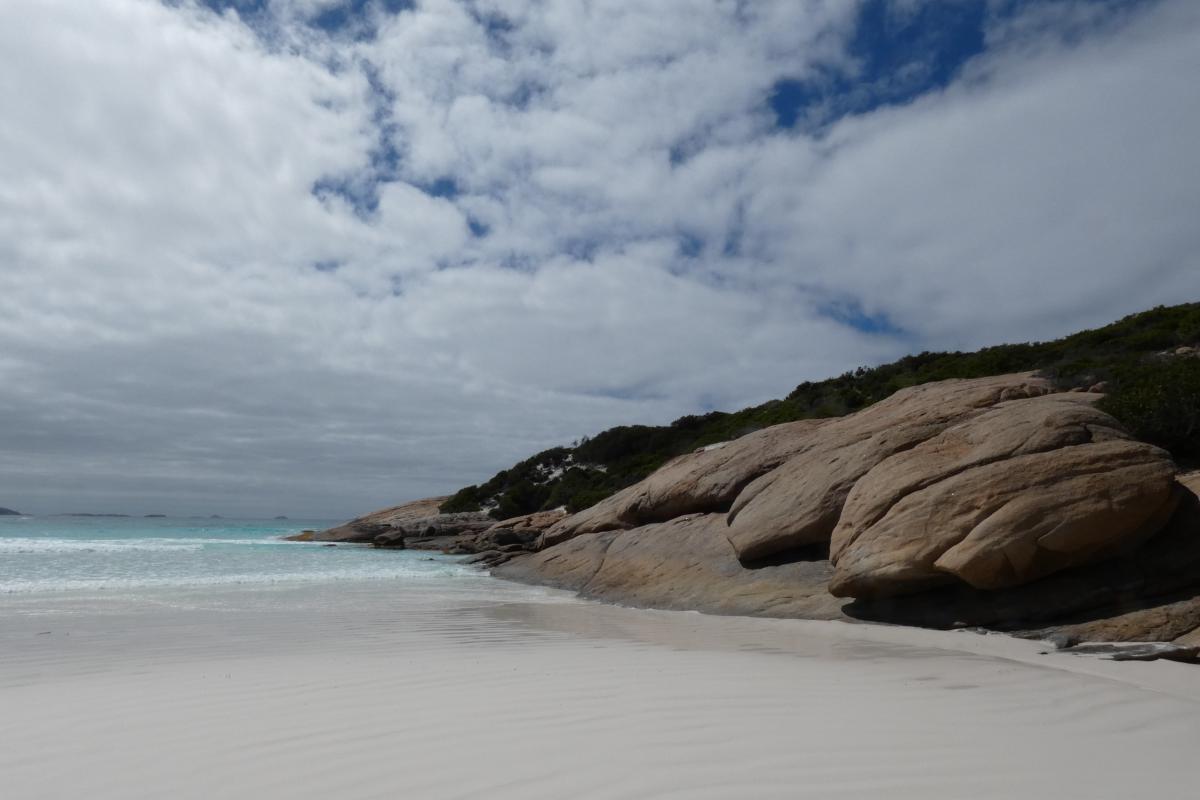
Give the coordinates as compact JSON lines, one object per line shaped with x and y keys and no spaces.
{"x":497,"y":691}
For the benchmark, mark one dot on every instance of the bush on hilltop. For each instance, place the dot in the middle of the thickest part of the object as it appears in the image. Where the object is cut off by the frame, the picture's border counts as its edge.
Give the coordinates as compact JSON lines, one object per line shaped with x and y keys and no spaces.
{"x":1154,"y":392}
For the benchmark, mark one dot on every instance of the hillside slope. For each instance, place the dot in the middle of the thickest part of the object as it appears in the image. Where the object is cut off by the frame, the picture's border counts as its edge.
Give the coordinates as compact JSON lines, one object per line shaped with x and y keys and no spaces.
{"x":1145,"y":363}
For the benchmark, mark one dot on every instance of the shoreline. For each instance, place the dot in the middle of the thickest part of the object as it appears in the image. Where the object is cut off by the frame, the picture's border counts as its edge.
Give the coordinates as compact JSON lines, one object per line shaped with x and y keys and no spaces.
{"x":1164,"y":676}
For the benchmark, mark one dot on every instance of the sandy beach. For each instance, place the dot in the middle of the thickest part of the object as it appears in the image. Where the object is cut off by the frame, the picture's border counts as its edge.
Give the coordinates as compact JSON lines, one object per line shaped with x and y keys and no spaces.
{"x":487,"y":689}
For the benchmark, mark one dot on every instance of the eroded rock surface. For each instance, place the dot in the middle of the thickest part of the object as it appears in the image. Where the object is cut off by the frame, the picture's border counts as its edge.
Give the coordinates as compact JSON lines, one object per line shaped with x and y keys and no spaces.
{"x":707,"y":480}
{"x":506,"y":538}
{"x":1008,"y":496}
{"x":686,"y":563}
{"x":434,"y":532}
{"x":799,"y":503}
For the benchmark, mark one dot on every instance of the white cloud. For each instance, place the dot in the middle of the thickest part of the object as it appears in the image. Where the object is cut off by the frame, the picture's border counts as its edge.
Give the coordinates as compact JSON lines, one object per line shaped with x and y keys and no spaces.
{"x":168,"y":343}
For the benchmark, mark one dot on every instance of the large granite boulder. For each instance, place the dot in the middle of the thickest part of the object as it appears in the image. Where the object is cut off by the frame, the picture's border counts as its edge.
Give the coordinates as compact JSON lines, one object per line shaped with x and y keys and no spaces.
{"x":704,"y":481}
{"x":1103,"y":601}
{"x":1018,"y":492}
{"x":686,"y":563}
{"x":799,"y":503}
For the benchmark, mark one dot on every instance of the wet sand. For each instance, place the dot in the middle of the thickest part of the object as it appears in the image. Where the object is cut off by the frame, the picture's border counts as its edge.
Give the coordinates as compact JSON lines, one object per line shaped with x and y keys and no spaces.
{"x":484,"y":689}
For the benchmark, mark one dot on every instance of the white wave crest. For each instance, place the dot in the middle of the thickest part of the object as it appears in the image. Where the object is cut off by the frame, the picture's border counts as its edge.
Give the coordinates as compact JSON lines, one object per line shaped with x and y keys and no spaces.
{"x":441,"y":570}
{"x":32,"y":545}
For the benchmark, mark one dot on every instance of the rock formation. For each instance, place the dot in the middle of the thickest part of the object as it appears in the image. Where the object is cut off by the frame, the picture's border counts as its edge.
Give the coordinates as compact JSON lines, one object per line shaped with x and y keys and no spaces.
{"x":363,"y":530}
{"x":433,"y":532}
{"x":1023,"y":490}
{"x":686,"y":563}
{"x":799,"y":503}
{"x":994,"y":502}
{"x":506,"y":538}
{"x":705,"y":481}
{"x":420,"y":525}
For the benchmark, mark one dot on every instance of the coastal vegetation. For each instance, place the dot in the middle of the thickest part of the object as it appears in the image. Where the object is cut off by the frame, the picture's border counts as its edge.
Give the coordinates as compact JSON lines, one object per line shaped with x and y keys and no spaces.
{"x":1148,"y":365}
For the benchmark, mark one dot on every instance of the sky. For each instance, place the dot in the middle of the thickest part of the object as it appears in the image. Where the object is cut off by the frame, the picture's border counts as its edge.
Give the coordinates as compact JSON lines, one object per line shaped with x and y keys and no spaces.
{"x":315,"y":257}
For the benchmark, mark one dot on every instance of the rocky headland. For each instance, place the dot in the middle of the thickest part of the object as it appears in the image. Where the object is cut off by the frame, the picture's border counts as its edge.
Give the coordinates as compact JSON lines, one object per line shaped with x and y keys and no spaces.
{"x":998,"y":502}
{"x":8,"y":512}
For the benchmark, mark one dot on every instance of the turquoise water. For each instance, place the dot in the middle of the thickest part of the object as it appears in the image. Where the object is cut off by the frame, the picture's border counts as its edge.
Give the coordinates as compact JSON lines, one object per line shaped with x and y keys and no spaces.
{"x":44,"y":555}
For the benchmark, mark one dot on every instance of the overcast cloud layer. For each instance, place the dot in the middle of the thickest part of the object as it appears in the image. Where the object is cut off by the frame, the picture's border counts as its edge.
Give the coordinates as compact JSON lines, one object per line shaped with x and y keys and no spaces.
{"x":315,"y":257}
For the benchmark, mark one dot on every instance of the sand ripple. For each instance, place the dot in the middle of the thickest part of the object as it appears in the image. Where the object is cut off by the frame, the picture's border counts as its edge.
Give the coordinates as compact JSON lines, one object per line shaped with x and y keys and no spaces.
{"x":385,"y":692}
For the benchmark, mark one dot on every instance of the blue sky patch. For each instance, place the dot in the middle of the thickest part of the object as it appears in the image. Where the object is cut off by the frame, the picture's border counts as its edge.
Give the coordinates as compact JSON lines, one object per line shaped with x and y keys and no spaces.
{"x":900,"y":54}
{"x":353,"y":16}
{"x":446,"y":187}
{"x":850,"y":312}
{"x":690,"y":246}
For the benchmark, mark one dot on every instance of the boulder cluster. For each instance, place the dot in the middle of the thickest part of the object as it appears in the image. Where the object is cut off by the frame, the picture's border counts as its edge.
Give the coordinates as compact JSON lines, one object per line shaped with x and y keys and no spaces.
{"x":996,"y":502}
{"x":420,"y":525}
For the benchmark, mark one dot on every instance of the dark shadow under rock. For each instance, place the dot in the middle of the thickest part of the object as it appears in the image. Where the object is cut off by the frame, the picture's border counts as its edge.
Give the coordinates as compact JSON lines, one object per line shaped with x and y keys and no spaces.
{"x":1165,"y":570}
{"x":812,"y":552}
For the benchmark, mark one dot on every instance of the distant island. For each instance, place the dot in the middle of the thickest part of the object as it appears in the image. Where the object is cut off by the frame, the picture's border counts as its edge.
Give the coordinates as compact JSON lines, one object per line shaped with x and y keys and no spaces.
{"x":155,"y":516}
{"x":8,"y":512}
{"x":86,"y":514}
{"x":281,"y":516}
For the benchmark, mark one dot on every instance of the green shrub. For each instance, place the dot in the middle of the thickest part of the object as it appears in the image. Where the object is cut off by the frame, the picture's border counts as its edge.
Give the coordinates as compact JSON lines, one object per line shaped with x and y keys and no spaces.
{"x":1159,"y":402}
{"x":1153,"y":395}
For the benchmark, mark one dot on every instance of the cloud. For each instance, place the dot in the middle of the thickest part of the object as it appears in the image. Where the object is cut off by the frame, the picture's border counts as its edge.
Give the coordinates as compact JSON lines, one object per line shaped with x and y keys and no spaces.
{"x":314,"y":257}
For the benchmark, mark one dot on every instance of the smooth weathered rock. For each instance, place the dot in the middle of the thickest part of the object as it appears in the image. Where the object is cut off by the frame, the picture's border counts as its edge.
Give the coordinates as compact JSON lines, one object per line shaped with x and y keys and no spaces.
{"x":1166,"y":622}
{"x":706,"y":480}
{"x":686,"y":563}
{"x":1021,"y":491}
{"x":799,"y":503}
{"x":538,"y":521}
{"x":569,"y":565}
{"x":1076,"y":604}
{"x":1190,"y":639}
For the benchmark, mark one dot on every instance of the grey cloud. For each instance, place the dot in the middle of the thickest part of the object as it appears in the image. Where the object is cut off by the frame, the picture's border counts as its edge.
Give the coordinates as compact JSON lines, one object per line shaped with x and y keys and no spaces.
{"x":187,"y":326}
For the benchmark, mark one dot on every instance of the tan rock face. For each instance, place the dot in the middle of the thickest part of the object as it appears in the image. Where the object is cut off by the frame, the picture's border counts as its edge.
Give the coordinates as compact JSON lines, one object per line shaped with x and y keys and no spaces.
{"x":705,"y":481}
{"x":366,"y":528}
{"x":686,"y":563}
{"x":799,"y":502}
{"x":1176,"y":622}
{"x":1007,"y":496}
{"x":537,"y":521}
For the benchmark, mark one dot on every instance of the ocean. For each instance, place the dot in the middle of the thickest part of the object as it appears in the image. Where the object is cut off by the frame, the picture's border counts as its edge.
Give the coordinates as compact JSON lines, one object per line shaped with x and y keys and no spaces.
{"x":148,"y":658}
{"x":48,"y":557}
